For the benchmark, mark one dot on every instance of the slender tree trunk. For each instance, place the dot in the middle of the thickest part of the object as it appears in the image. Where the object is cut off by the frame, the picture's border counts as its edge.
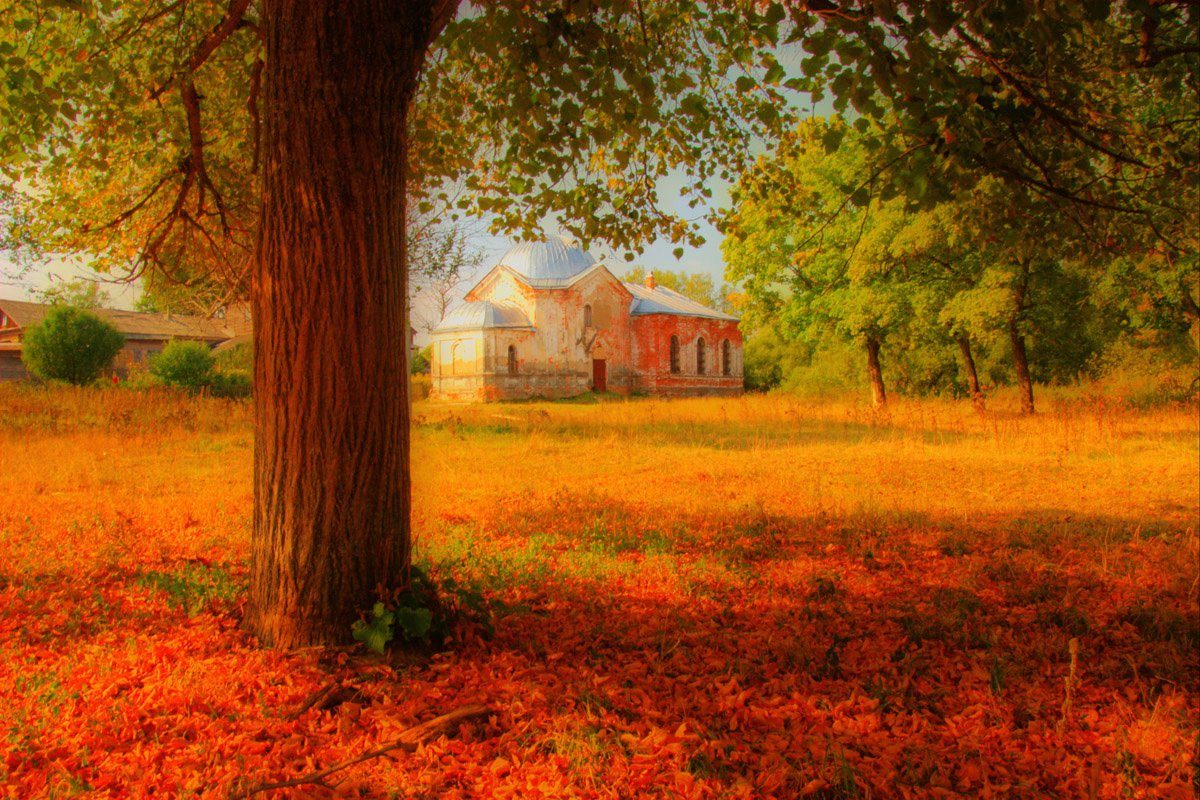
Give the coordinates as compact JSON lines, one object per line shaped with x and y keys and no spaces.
{"x":331,"y":487}
{"x":878,"y":395}
{"x":964,"y":344}
{"x":1021,"y":362}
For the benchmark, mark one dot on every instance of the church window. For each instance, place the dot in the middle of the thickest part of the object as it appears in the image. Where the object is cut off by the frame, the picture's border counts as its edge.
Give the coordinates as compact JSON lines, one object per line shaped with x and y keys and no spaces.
{"x":587,"y":316}
{"x":701,"y":356}
{"x":512,"y":359}
{"x":674,"y":355}
{"x":726,"y":358}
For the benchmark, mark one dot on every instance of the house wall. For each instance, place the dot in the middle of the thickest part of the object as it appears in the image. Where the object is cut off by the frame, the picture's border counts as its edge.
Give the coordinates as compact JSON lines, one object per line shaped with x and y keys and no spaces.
{"x":560,"y":356}
{"x":457,"y":364}
{"x":555,"y":358}
{"x":652,"y":355}
{"x":11,"y":366}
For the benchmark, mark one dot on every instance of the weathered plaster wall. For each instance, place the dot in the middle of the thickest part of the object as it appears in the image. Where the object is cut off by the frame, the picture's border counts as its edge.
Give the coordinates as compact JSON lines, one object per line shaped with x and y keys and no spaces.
{"x":652,"y":355}
{"x":457,"y":364}
{"x":556,"y":358}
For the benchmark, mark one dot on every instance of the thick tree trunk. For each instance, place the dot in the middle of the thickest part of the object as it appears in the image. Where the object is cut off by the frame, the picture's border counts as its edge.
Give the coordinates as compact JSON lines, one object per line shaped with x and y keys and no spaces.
{"x":964,"y":344}
{"x":331,"y":488}
{"x":878,"y":395}
{"x":1021,"y":362}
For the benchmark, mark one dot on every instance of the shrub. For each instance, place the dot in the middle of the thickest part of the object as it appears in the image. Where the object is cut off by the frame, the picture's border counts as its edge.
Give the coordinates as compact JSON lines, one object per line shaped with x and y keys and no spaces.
{"x":419,"y":364}
{"x":238,"y":357}
{"x":420,"y":386}
{"x":186,"y":365}
{"x":233,"y":384}
{"x":71,"y":344}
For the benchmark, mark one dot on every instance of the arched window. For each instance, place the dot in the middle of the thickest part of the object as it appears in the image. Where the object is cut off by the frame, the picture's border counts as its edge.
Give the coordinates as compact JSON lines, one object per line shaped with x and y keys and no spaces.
{"x":674,"y":355}
{"x":512,"y":359}
{"x":701,"y":356}
{"x":587,"y":316}
{"x":726,"y":358}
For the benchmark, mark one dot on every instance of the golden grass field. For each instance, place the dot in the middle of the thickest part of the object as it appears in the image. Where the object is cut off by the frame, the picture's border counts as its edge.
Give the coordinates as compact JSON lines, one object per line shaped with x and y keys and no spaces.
{"x":755,"y":597}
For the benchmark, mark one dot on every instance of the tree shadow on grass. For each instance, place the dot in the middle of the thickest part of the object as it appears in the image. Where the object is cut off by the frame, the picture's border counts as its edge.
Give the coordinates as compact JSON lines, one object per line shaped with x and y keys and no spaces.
{"x":829,"y":655}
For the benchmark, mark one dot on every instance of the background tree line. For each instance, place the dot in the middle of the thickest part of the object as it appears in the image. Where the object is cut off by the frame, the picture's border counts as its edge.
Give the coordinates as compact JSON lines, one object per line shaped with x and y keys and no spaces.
{"x":993,"y":284}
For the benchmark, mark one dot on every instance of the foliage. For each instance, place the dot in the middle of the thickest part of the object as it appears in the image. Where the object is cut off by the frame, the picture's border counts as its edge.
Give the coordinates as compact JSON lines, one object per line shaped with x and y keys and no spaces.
{"x":653,"y":637}
{"x":71,"y":344}
{"x":78,"y":293}
{"x":238,"y":357}
{"x":184,"y":364}
{"x":232,"y":384}
{"x":419,"y":363}
{"x":974,"y":270}
{"x":424,"y":612}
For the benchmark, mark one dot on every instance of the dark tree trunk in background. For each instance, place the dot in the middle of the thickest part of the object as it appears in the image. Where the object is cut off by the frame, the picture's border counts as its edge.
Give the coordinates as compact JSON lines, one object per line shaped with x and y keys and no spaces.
{"x":331,"y":487}
{"x":878,"y":395}
{"x":1017,"y":339}
{"x":964,"y":344}
{"x":1021,"y":363}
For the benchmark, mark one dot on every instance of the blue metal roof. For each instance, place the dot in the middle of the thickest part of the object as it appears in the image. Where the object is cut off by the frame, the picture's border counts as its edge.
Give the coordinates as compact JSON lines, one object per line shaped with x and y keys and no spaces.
{"x":661,"y":300}
{"x":552,"y":260}
{"x":483,"y":314}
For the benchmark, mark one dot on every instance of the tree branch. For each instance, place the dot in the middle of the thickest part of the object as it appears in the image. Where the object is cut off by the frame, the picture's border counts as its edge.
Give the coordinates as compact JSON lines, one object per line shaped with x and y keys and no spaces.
{"x":409,"y":740}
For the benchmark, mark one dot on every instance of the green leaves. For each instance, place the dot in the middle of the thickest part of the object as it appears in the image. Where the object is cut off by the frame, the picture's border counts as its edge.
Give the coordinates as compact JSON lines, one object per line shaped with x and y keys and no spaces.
{"x":376,"y":632}
{"x":411,"y":624}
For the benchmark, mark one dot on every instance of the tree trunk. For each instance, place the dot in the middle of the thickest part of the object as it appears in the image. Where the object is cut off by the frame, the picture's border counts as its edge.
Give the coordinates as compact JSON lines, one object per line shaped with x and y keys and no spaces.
{"x":331,"y":486}
{"x":1021,"y":362}
{"x":878,"y":395}
{"x":964,"y":344}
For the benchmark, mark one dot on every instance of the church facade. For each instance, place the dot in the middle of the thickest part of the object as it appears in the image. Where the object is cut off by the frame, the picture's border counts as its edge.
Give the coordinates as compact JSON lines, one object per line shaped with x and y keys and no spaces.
{"x":551,"y":321}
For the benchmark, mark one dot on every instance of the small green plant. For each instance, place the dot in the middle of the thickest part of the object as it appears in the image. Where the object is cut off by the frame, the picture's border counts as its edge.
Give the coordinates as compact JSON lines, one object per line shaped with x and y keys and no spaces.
{"x":183,"y":364}
{"x":71,"y":344}
{"x":424,"y":612}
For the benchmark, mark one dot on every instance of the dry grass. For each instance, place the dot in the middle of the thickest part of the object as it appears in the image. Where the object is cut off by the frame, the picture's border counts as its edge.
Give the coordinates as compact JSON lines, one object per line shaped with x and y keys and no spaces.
{"x":716,"y":597}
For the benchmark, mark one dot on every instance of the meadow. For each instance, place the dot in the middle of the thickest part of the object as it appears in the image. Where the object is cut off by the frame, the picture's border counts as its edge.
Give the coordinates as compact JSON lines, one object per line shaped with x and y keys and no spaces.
{"x":765,"y":596}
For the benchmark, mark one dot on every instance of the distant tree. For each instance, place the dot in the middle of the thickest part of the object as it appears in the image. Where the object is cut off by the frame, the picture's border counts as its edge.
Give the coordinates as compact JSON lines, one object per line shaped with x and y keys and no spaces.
{"x":792,"y":241}
{"x":184,"y":364}
{"x":441,"y":259}
{"x":78,"y":293}
{"x":71,"y":344}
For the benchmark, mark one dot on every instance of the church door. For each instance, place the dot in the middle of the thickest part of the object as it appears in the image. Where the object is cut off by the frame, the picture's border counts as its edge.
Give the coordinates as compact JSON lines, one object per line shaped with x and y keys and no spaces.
{"x":599,"y":375}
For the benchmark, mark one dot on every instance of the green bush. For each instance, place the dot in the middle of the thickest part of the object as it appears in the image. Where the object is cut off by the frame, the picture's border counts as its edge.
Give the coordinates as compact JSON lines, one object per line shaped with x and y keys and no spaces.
{"x":234,"y":384}
{"x":186,"y":365}
{"x":238,"y":357}
{"x":419,"y":364}
{"x":71,"y":344}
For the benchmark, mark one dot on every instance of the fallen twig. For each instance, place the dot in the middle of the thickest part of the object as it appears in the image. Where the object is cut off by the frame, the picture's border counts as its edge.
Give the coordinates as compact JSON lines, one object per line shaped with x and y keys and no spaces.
{"x":409,"y":740}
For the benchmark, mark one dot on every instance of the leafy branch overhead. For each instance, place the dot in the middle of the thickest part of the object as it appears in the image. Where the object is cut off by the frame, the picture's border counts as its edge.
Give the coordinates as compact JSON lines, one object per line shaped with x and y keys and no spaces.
{"x":134,"y":128}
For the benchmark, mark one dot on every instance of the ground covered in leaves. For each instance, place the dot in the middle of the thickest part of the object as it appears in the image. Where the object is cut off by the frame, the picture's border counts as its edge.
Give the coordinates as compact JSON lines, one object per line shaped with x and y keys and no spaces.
{"x":758,"y":597}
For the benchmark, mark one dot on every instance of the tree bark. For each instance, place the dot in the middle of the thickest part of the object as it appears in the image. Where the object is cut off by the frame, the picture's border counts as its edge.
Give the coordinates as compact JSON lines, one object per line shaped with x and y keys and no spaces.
{"x":1021,"y":362}
{"x":331,"y":485}
{"x":964,"y":344}
{"x":1019,"y":354}
{"x":878,"y":395}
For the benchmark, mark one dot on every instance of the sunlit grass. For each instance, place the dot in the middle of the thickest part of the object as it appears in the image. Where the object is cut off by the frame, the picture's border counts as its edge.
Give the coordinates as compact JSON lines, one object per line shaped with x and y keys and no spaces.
{"x":690,"y":596}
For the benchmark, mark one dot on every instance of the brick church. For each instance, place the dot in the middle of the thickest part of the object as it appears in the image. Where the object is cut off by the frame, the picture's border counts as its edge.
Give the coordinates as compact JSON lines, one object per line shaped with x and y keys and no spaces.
{"x":549,"y":320}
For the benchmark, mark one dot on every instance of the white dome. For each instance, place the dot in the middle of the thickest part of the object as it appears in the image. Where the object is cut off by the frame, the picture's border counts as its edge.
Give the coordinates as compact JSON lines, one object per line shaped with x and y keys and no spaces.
{"x":555,"y":259}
